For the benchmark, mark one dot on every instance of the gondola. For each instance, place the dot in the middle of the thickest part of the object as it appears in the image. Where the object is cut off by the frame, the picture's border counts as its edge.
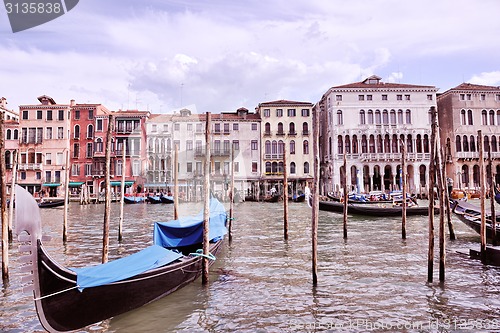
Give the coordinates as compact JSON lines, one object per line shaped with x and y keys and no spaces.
{"x":274,"y":198}
{"x":167,"y":199}
{"x":471,"y":216}
{"x":359,"y":199}
{"x":70,"y":299}
{"x":134,"y":200}
{"x":51,"y":203}
{"x":153,"y":199}
{"x":374,"y":210}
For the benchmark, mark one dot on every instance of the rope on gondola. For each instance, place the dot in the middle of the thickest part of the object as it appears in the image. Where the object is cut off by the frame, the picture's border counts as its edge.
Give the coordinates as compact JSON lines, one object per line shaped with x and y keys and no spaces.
{"x":199,"y":253}
{"x":56,"y":293}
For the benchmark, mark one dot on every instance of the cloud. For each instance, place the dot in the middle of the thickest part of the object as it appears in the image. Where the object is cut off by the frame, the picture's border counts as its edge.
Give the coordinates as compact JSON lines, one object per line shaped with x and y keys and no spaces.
{"x":487,"y":78}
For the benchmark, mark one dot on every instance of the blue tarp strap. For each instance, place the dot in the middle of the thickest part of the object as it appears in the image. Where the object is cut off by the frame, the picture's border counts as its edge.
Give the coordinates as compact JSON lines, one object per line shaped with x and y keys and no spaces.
{"x":199,"y":253}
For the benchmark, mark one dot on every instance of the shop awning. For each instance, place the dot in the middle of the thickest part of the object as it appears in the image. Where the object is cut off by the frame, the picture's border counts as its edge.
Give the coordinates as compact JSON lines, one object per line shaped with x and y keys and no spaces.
{"x":75,"y":184}
{"x":51,"y":184}
{"x":127,"y":183}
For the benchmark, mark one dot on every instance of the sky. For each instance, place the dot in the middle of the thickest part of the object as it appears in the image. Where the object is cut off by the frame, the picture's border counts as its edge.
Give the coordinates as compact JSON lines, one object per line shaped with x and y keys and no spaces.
{"x":220,"y":55}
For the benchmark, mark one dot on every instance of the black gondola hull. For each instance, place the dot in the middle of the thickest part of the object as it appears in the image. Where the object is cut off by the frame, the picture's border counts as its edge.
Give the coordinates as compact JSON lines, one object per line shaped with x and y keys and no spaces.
{"x":374,"y":210}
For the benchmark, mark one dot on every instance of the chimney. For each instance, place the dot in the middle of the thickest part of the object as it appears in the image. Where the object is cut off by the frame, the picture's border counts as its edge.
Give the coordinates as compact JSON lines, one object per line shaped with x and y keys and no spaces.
{"x":3,"y":102}
{"x":72,"y":102}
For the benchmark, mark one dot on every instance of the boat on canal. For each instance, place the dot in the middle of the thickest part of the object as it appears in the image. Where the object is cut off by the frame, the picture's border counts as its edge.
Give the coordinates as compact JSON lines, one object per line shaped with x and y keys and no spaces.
{"x":51,"y":203}
{"x":380,"y":209}
{"x":153,"y":199}
{"x":68,"y":299}
{"x":134,"y":200}
{"x":471,"y":216}
{"x":168,"y":199}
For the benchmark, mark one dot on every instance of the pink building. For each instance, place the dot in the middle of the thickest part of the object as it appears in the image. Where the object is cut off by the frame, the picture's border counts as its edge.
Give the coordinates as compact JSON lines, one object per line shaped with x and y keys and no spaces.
{"x":11,"y":137}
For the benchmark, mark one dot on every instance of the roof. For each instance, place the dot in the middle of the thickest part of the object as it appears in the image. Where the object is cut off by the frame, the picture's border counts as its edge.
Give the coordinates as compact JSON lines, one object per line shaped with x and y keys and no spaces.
{"x":477,"y":87}
{"x":283,"y":102}
{"x":375,"y":82}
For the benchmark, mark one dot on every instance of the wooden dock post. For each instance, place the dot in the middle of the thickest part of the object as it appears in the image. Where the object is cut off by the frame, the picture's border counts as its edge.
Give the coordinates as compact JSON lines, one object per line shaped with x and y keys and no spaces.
{"x":285,"y":195}
{"x":206,"y":210}
{"x":441,"y":185}
{"x":451,"y":229}
{"x":107,"y":184}
{"x":66,"y":198}
{"x":403,"y":176}
{"x":231,"y":197}
{"x":482,"y":185}
{"x":315,"y":195}
{"x":122,"y":195}
{"x":176,"y":182}
{"x":492,"y":201}
{"x":3,"y":205}
{"x":13,"y":194}
{"x":346,"y":195}
{"x":432,"y":175}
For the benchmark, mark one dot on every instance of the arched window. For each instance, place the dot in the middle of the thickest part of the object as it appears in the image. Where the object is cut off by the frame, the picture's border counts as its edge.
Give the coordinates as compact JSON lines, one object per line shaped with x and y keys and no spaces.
{"x":484,"y":117}
{"x":340,"y":145}
{"x":306,"y":147}
{"x":385,"y":117}
{"x":292,"y":168}
{"x":16,"y":134}
{"x":426,"y":143}
{"x":498,"y":117}
{"x":90,"y":131}
{"x":274,"y":147}
{"x":267,"y":128}
{"x":305,"y":128}
{"x":372,"y":144}
{"x":458,"y":144}
{"x":268,"y":147}
{"x":340,"y":119}
{"x":364,"y":145}
{"x":492,"y":117}
{"x":378,"y":119}
{"x":418,"y":143}
{"x":486,"y":143}
{"x":408,"y":116}
{"x":280,"y":128}
{"x":280,"y":167}
{"x":393,"y":116}
{"x":292,"y":147}
{"x":281,"y":146}
{"x":469,"y":117}
{"x":493,"y":143}
{"x":157,"y":146}
{"x":379,"y":144}
{"x":472,"y":143}
{"x":98,"y":145}
{"x":466,"y":143}
{"x":409,"y":144}
{"x":354,"y":144}
{"x":9,"y":134}
{"x":462,"y":118}
{"x":291,"y":129}
{"x":347,"y":144}
{"x":370,"y":117}
{"x":306,"y":167}
{"x":77,"y":132}
{"x":400,"y":116}
{"x":268,"y":167}
{"x":274,"y":167}
{"x":362,"y":117}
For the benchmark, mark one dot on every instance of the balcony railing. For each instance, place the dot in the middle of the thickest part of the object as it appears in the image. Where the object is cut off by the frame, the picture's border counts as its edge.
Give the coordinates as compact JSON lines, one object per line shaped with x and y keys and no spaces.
{"x":366,"y":157}
{"x":267,"y":133}
{"x":30,"y":166}
{"x":273,"y":156}
{"x":305,"y":132}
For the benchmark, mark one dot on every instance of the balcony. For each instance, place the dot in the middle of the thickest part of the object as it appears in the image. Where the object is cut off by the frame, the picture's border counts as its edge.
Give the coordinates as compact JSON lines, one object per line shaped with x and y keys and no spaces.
{"x":292,"y":133}
{"x":220,"y":153}
{"x":305,"y":132}
{"x":267,"y":133}
{"x":280,"y":133}
{"x":30,"y":166}
{"x":273,"y":156}
{"x":469,"y":155}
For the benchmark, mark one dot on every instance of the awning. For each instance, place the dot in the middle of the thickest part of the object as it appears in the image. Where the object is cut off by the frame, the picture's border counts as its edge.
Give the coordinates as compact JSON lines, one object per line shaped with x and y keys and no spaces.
{"x":127,"y":183}
{"x":75,"y":184}
{"x":51,"y":184}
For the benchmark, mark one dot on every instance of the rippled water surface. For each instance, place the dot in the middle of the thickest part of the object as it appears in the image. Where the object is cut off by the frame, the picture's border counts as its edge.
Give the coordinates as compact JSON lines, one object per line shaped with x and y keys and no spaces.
{"x":374,"y":280}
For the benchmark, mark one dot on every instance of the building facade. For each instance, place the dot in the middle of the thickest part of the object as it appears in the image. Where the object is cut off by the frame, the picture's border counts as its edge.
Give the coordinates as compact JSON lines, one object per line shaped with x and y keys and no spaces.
{"x":368,"y":121}
{"x":286,"y":127}
{"x":44,"y":139}
{"x":11,"y":137}
{"x":463,"y":111}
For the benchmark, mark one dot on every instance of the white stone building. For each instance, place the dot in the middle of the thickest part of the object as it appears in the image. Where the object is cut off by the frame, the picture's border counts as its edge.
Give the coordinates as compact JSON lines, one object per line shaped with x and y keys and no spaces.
{"x":367,"y":121}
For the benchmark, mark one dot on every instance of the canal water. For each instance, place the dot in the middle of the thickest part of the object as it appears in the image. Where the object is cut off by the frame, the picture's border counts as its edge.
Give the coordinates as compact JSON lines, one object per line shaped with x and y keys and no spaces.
{"x":373,"y":281}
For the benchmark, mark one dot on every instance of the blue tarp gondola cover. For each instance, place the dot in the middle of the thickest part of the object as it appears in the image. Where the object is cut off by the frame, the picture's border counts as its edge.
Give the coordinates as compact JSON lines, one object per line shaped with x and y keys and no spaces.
{"x":123,"y":268}
{"x":189,"y":230}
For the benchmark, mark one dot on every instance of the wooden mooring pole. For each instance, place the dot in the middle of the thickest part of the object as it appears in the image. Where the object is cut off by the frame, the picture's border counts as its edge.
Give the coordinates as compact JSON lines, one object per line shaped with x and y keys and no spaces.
{"x":315,"y":196}
{"x":122,"y":195}
{"x":13,"y":193}
{"x":176,"y":182}
{"x":441,"y":185}
{"x":482,"y":185}
{"x":66,"y":198}
{"x":206,"y":210}
{"x":3,"y":205}
{"x":451,"y":229}
{"x":492,"y":200}
{"x":403,"y":176}
{"x":346,"y":195}
{"x":432,"y":177}
{"x":285,"y":195}
{"x":231,"y":197}
{"x":107,"y":184}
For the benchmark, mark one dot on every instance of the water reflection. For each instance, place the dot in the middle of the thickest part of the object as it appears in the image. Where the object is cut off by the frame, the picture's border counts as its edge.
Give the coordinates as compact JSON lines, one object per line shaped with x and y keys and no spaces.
{"x":262,"y":283}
